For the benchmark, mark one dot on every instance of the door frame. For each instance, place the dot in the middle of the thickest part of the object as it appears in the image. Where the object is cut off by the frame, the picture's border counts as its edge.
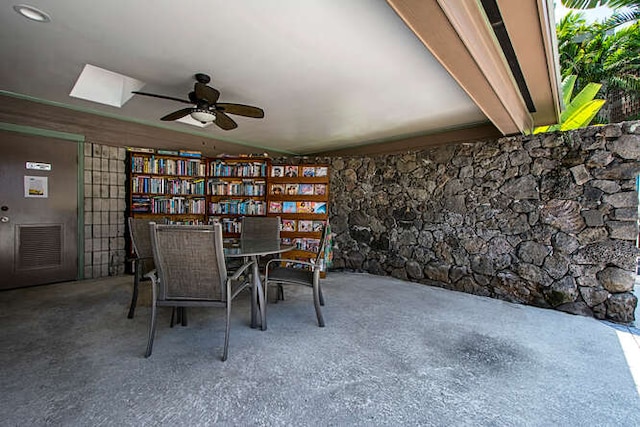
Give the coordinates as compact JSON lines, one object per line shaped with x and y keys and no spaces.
{"x":79,"y":140}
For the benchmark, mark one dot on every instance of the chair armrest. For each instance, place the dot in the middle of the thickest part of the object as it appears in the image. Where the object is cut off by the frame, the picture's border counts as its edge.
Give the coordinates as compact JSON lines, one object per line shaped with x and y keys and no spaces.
{"x":313,"y":265}
{"x":152,"y":275}
{"x":241,"y":270}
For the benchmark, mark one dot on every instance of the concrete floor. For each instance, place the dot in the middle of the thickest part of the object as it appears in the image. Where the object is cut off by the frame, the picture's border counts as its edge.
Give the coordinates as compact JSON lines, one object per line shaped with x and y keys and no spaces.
{"x":392,"y":353}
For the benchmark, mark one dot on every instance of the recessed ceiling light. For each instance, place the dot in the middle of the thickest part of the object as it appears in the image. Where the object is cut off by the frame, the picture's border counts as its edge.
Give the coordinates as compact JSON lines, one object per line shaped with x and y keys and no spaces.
{"x":32,"y":13}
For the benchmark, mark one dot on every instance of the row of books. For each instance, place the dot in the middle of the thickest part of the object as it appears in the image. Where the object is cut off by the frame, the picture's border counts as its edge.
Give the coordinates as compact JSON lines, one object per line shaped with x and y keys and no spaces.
{"x":291,"y":171}
{"x":298,"y":207}
{"x":311,"y":245}
{"x":168,"y":205}
{"x":303,"y":226}
{"x":298,"y":189}
{"x":249,"y":169}
{"x":146,"y":184}
{"x":231,"y":225}
{"x":183,"y":153}
{"x":236,"y":188}
{"x":238,"y":207}
{"x":161,"y":166}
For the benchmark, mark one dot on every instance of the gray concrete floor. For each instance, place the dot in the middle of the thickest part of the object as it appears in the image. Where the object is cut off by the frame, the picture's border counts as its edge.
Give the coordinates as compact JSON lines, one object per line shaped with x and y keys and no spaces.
{"x":392,"y":353}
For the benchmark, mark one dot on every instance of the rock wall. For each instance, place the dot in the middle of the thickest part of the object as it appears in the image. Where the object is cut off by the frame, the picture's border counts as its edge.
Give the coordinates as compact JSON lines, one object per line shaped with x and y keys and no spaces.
{"x":547,"y":220}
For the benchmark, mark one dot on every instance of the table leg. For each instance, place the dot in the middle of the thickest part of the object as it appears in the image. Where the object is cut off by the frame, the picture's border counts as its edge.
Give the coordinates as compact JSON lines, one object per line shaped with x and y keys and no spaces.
{"x":257,"y":300}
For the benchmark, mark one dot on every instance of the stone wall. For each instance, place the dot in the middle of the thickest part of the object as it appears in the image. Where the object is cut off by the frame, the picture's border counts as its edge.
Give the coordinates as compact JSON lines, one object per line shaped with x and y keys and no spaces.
{"x":104,"y":209}
{"x":547,"y":220}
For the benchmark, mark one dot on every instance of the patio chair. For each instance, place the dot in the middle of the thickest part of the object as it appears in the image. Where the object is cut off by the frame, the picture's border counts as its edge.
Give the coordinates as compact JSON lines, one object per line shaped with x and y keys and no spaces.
{"x":282,"y":271}
{"x":142,"y":256}
{"x":260,"y":227}
{"x":191,"y":272}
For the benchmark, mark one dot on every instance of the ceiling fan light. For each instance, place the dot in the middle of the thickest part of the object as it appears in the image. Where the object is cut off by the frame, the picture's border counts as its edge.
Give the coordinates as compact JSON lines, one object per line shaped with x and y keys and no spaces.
{"x":203,"y":116}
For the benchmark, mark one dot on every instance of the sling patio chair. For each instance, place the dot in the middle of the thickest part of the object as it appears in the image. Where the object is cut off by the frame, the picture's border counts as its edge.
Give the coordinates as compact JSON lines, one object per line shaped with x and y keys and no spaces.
{"x":191,"y":272}
{"x":282,"y":271}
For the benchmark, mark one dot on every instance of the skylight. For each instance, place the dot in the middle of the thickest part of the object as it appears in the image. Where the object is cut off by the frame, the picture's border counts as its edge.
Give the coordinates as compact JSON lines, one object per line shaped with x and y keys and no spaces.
{"x":105,"y":87}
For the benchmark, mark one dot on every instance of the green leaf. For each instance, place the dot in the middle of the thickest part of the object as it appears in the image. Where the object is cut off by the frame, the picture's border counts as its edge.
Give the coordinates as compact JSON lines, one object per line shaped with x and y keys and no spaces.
{"x":583,"y":115}
{"x":567,"y":89}
{"x":587,"y":94}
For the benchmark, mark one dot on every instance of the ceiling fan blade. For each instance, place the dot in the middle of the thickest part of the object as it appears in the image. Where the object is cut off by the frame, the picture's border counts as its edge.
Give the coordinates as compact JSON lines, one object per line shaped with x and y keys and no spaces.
{"x":161,"y":96}
{"x":206,"y":93}
{"x":176,"y":114}
{"x":224,"y":122}
{"x":241,"y":110}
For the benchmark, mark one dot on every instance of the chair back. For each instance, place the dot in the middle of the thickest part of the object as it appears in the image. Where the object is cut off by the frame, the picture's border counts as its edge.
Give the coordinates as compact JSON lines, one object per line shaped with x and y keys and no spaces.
{"x":189,"y":262}
{"x":141,"y":243}
{"x":260,"y":227}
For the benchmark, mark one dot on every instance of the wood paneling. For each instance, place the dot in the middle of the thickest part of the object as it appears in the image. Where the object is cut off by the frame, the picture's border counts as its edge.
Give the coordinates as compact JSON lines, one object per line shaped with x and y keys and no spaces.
{"x":109,"y":131}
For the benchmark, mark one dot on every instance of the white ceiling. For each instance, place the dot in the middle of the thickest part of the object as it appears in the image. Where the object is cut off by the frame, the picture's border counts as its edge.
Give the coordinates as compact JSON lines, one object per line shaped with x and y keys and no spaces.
{"x":328,"y":73}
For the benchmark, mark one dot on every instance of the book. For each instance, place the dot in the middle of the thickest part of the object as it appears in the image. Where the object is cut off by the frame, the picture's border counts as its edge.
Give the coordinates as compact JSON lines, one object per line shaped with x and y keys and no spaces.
{"x":141,"y":150}
{"x":277,"y":171}
{"x":306,"y":189}
{"x":321,"y":171}
{"x":291,"y":189}
{"x":305,"y":226}
{"x":189,"y":153}
{"x":319,"y":189}
{"x":277,"y":189}
{"x":304,"y":207}
{"x":167,"y":152}
{"x":288,"y":225}
{"x":289,"y":207}
{"x":275,"y":207}
{"x":308,"y":171}
{"x":290,"y":171}
{"x":317,"y":226}
{"x":319,"y":208}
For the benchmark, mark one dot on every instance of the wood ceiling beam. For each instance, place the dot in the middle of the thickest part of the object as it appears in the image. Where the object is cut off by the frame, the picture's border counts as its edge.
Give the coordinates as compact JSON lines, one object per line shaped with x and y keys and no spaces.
{"x":458,"y":35}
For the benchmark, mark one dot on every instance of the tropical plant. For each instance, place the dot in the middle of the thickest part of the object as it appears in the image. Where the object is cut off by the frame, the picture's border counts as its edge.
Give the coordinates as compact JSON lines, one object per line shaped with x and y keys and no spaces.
{"x":595,"y":53}
{"x":629,"y":14}
{"x":580,"y":110}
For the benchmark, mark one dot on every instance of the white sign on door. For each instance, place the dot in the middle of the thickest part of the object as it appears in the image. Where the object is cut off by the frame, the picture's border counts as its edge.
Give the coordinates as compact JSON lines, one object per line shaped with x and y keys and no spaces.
{"x":36,"y":186}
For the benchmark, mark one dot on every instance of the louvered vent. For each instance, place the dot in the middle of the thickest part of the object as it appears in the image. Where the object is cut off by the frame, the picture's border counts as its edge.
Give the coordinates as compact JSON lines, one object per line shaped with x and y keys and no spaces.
{"x":39,"y":247}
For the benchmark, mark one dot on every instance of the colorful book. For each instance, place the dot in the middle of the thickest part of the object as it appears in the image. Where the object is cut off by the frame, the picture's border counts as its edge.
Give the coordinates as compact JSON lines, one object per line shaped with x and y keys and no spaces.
{"x":306,"y":189}
{"x":290,"y":171}
{"x":321,"y":171}
{"x":277,"y":189}
{"x":317,"y":226}
{"x":305,"y":226}
{"x":275,"y":207}
{"x":308,"y":171}
{"x":277,"y":171}
{"x":289,"y":207}
{"x":291,"y":189}
{"x":319,"y":208}
{"x":319,"y":189}
{"x":288,"y":225}
{"x":304,"y":207}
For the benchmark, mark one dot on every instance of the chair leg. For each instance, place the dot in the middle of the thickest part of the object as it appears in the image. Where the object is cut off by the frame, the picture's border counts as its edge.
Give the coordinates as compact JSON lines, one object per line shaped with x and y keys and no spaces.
{"x":316,"y":302}
{"x":183,"y":316}
{"x":225,"y":352}
{"x":136,"y":285}
{"x":152,"y":325}
{"x":320,"y":293}
{"x":280,"y":293}
{"x":174,"y":316}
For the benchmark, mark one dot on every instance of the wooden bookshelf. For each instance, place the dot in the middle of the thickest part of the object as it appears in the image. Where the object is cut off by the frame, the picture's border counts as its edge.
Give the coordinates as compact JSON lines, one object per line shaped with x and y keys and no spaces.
{"x":167,"y":188}
{"x":299,"y":195}
{"x":236,"y":187}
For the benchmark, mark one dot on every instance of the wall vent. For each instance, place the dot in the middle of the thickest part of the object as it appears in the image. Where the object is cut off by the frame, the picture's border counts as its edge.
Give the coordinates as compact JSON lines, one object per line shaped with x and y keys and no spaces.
{"x":39,"y":246}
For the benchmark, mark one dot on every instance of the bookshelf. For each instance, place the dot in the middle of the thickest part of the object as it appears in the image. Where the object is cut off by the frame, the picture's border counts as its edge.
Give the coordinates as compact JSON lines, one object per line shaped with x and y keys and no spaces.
{"x":300,"y":196}
{"x":168,"y":188}
{"x":236,"y":187}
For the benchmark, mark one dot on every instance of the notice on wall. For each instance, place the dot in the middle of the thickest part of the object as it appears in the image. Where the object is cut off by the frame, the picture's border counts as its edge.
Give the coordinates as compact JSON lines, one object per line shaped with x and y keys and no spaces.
{"x":36,"y":186}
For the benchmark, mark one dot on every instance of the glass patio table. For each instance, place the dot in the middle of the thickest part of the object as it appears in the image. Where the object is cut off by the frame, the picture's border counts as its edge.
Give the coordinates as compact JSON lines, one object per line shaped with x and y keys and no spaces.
{"x":254,"y":248}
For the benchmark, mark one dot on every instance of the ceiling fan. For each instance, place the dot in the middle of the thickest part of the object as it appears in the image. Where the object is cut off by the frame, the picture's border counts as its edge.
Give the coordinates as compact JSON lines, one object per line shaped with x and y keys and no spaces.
{"x":207,"y":108}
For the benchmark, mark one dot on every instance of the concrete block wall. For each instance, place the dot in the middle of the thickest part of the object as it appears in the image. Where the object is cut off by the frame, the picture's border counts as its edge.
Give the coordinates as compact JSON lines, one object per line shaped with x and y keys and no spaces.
{"x":104,"y":210}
